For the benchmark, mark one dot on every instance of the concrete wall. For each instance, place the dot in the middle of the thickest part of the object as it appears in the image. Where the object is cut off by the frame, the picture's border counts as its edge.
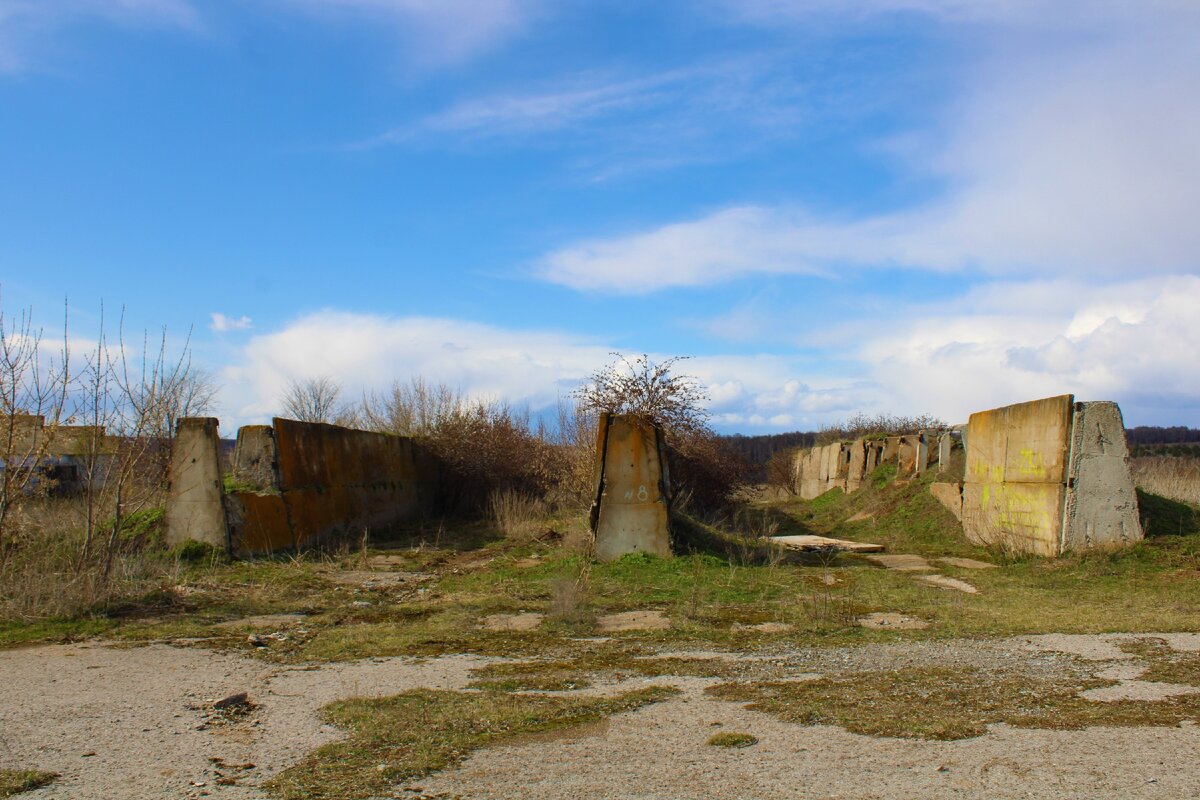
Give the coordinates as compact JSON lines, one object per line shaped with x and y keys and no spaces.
{"x":1016,"y":471}
{"x":195,"y":509}
{"x":1049,"y":476}
{"x":296,"y":483}
{"x":632,"y":509}
{"x":315,"y":480}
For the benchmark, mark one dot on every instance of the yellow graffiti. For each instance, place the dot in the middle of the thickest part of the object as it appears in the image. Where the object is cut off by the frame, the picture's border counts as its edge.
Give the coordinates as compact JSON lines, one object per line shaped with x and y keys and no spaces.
{"x":1031,"y":463}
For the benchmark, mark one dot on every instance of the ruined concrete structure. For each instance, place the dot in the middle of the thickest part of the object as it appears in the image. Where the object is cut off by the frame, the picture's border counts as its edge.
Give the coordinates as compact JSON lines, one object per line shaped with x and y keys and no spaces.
{"x":1042,"y":477}
{"x":845,"y":465}
{"x":631,"y":511}
{"x":293,"y":484}
{"x":65,"y":454}
{"x":1049,"y":476}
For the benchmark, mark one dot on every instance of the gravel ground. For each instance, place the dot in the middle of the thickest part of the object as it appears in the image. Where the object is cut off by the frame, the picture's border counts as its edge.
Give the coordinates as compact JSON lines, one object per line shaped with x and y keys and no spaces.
{"x":132,"y":723}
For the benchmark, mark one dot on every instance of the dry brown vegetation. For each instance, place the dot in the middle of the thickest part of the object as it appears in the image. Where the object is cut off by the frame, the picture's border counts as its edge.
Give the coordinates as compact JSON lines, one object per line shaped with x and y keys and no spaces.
{"x":1168,"y":476}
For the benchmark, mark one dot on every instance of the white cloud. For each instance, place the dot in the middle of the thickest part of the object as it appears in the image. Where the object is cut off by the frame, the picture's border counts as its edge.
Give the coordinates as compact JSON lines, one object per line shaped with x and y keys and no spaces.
{"x":364,"y":352}
{"x":222,"y":323}
{"x":440,"y":31}
{"x":25,"y":24}
{"x":1133,"y":342}
{"x":1073,"y":158}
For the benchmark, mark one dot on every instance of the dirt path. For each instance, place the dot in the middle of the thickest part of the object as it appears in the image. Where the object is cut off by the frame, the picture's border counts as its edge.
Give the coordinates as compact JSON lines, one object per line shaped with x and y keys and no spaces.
{"x":131,"y":724}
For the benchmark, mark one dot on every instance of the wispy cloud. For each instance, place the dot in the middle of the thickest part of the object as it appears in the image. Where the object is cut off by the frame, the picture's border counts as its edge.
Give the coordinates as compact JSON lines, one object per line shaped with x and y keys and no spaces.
{"x":25,"y":25}
{"x":438,"y":31}
{"x":1079,"y":160}
{"x":618,"y":121}
{"x":221,"y":323}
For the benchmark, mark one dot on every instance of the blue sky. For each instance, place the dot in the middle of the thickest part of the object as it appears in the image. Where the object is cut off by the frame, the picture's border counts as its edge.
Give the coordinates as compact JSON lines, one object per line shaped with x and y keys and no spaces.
{"x":889,"y":205}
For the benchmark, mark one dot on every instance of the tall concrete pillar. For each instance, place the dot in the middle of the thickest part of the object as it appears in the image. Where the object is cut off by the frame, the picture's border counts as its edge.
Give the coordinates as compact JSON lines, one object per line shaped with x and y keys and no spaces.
{"x":195,"y":508}
{"x":631,"y":511}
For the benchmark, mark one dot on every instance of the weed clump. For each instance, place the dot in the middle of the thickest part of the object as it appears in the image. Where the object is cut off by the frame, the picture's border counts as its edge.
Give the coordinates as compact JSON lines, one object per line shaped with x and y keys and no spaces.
{"x":732,"y":739}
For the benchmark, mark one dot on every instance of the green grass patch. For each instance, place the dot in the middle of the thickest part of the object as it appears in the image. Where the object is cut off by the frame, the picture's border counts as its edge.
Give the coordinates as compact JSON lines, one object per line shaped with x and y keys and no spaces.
{"x":943,"y":703}
{"x":732,"y":739}
{"x":422,"y":731}
{"x":15,"y":781}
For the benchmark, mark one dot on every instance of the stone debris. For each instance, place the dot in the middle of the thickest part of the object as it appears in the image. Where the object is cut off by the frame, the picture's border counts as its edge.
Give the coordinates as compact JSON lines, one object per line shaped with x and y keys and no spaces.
{"x":819,"y":543}
{"x":763,"y":627}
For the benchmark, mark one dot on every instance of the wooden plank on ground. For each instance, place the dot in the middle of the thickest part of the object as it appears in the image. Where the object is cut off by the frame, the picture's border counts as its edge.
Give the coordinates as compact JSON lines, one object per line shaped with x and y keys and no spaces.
{"x":811,"y":543}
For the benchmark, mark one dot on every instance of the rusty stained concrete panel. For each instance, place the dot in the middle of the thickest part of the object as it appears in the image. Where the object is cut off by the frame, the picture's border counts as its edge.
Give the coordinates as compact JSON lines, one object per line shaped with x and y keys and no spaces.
{"x":325,"y":480}
{"x":632,"y":512}
{"x":1016,"y":475}
{"x":194,"y":508}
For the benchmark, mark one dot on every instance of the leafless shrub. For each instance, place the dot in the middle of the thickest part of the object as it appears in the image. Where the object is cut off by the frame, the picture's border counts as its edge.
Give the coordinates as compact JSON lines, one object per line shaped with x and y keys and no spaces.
{"x":861,"y":425}
{"x":648,"y":390}
{"x":44,"y":578}
{"x":1167,"y":476}
{"x":34,"y":389}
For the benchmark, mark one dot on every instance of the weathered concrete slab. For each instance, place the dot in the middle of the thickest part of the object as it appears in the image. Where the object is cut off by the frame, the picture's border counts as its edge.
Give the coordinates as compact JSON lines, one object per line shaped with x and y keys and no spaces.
{"x":901,"y":562}
{"x":856,"y":468}
{"x":254,"y":458}
{"x":966,"y":563}
{"x":814,"y":543}
{"x":631,"y":511}
{"x":1016,"y":475}
{"x":950,"y":495}
{"x":1101,"y":503}
{"x":194,"y":508}
{"x":945,"y":582}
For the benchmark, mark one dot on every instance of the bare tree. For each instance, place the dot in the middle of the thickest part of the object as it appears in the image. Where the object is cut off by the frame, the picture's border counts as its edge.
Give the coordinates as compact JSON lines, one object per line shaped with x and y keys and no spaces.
{"x":649,"y":390}
{"x":313,"y":400}
{"x":416,"y":408}
{"x":33,"y":395}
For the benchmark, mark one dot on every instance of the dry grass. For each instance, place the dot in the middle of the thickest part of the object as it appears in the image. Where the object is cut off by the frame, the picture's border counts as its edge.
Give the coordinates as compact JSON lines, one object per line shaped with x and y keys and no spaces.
{"x":519,"y":516}
{"x":945,"y":703}
{"x":1168,"y":476}
{"x":43,"y":575}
